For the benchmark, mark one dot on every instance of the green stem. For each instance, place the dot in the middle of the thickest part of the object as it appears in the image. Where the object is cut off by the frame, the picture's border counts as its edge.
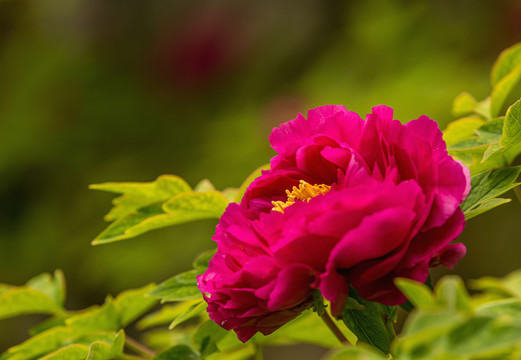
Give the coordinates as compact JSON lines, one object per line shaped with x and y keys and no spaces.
{"x":258,"y":352}
{"x":390,"y":329}
{"x":139,"y":348}
{"x":332,"y":326}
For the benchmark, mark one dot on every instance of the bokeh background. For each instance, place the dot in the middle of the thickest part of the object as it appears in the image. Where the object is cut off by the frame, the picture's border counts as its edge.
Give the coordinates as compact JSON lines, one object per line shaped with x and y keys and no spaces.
{"x":126,"y":90}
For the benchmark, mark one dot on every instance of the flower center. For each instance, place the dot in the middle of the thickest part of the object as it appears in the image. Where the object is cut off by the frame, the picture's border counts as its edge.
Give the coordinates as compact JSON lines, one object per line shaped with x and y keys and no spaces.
{"x":303,"y":192}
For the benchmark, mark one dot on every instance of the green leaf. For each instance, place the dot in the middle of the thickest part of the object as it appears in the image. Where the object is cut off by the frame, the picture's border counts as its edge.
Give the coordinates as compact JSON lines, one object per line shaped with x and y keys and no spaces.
{"x":512,"y":282}
{"x":40,"y":344}
{"x":318,"y":303}
{"x":178,"y":288}
{"x":485,"y":206}
{"x":505,"y":63}
{"x":166,"y":314}
{"x":352,"y":304}
{"x":307,"y":328}
{"x":355,"y":353}
{"x":70,"y":352}
{"x":486,"y":187}
{"x":131,"y":304}
{"x":368,"y":325}
{"x":200,"y":264}
{"x":463,"y":104}
{"x":52,"y":287}
{"x":100,"y":350}
{"x":461,"y":129}
{"x":512,"y":126}
{"x":496,"y":143}
{"x":138,"y":195}
{"x":25,"y":300}
{"x":502,"y":89}
{"x":501,"y":308}
{"x":185,"y":207}
{"x":57,"y":320}
{"x":197,"y":205}
{"x":100,"y":318}
{"x":451,"y":293}
{"x":206,"y":337}
{"x":178,"y":352}
{"x":204,"y":185}
{"x":254,"y":175}
{"x":189,"y":313}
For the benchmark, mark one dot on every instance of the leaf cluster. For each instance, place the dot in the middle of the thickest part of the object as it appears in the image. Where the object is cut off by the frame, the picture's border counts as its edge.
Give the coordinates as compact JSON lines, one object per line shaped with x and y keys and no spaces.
{"x":448,"y":323}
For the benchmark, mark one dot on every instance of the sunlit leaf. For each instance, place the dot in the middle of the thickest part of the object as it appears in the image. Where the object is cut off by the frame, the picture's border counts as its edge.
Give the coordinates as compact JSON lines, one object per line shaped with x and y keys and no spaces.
{"x":355,"y":353}
{"x":502,"y":89}
{"x":451,"y":293}
{"x":505,"y":63}
{"x":54,"y":287}
{"x":461,"y":129}
{"x":70,"y":352}
{"x":181,"y":208}
{"x":131,"y":304}
{"x":308,"y":328}
{"x":25,"y":300}
{"x":464,"y":104}
{"x":138,"y":195}
{"x":100,"y":350}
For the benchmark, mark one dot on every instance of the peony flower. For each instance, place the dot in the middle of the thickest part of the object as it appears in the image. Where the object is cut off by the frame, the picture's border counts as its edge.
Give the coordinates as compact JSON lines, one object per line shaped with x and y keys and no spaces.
{"x":346,"y":202}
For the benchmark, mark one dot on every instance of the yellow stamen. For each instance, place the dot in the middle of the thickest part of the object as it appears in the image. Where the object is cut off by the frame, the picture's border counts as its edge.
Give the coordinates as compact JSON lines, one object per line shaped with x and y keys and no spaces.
{"x":303,"y":192}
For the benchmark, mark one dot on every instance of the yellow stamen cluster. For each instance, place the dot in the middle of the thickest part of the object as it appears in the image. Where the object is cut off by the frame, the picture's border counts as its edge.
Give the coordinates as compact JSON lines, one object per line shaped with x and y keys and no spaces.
{"x":303,"y":192}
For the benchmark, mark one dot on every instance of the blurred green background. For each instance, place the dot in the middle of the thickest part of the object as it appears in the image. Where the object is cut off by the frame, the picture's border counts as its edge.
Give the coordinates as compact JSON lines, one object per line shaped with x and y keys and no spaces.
{"x":126,"y":90}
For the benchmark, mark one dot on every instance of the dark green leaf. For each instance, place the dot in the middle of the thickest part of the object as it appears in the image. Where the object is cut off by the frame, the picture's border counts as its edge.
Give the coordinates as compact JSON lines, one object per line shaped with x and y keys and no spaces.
{"x":487,"y":186}
{"x":206,"y":337}
{"x":178,"y":352}
{"x":318,"y":303}
{"x":368,"y":325}
{"x":200,"y":264}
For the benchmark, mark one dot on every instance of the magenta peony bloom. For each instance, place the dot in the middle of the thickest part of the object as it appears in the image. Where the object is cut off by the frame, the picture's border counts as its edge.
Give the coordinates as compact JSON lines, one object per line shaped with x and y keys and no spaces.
{"x":346,"y":202}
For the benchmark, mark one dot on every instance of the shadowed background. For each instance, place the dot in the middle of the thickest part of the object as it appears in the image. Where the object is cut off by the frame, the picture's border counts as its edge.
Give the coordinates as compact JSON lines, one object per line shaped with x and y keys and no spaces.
{"x":94,"y":91}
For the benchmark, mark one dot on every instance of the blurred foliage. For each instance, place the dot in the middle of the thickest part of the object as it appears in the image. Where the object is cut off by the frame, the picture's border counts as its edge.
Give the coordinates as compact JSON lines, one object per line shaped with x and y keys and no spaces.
{"x":126,"y":90}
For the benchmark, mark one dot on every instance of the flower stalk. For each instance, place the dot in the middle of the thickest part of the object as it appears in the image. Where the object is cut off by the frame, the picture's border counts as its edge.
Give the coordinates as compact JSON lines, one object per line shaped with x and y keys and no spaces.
{"x":139,"y":348}
{"x":332,"y":326}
